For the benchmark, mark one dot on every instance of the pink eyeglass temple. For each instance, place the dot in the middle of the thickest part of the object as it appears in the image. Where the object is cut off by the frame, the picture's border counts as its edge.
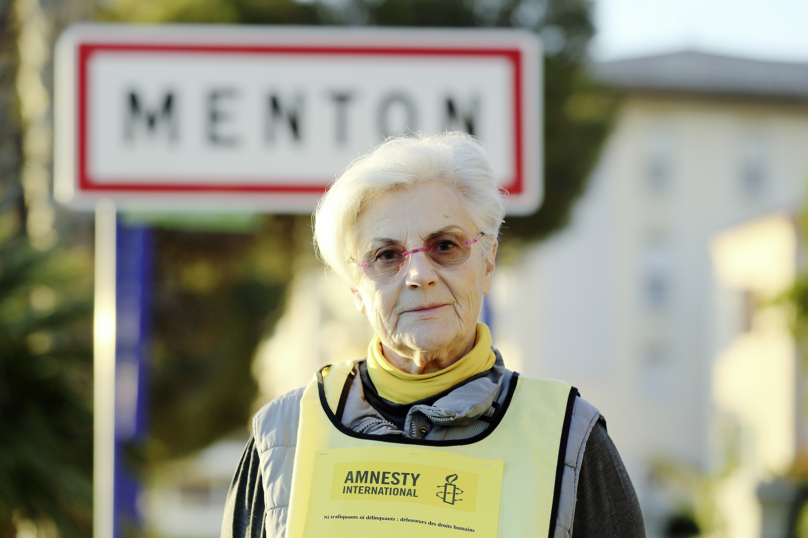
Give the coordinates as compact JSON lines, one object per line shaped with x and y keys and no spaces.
{"x":424,"y":249}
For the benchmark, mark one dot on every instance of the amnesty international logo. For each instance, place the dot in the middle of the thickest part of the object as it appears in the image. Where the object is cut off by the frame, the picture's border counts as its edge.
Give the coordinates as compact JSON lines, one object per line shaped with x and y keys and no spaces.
{"x":449,"y":491}
{"x":392,"y":481}
{"x":380,"y":490}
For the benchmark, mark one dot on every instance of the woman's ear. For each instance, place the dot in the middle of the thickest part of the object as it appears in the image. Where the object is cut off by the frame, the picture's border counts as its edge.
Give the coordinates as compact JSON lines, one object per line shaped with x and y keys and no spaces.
{"x":358,"y":301}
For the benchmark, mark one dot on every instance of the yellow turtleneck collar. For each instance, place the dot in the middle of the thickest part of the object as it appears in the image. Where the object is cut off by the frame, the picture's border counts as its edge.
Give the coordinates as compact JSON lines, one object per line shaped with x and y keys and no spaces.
{"x":400,"y":387}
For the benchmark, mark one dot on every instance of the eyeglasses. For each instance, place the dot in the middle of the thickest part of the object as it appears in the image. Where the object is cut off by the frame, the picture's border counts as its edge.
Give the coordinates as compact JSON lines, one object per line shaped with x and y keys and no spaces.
{"x":444,"y":250}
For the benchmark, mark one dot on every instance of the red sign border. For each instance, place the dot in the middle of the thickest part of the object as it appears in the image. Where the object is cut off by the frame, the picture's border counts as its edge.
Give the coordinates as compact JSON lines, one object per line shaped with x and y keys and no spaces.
{"x":86,"y":50}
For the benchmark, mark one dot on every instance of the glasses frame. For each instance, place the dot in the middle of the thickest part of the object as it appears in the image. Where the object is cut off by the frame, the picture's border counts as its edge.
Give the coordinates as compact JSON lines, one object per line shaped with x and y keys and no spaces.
{"x":414,"y":251}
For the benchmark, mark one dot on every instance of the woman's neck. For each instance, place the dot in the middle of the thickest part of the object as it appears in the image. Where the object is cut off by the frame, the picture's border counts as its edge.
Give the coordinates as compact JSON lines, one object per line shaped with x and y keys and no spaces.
{"x":426,"y":362}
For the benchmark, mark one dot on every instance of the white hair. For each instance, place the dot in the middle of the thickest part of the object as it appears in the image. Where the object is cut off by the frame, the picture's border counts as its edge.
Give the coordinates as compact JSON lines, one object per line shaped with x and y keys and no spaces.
{"x":454,"y":159}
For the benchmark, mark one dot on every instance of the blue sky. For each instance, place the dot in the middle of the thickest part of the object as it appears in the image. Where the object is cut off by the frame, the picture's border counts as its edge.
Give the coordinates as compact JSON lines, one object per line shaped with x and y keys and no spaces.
{"x":773,"y":30}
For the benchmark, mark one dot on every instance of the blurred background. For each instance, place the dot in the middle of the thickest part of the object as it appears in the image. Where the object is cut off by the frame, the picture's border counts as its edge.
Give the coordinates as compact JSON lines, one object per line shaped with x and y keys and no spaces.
{"x":664,"y":275}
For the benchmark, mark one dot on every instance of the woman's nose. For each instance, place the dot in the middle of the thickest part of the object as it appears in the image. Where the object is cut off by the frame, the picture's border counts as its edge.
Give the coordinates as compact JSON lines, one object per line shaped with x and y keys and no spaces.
{"x":420,"y":271}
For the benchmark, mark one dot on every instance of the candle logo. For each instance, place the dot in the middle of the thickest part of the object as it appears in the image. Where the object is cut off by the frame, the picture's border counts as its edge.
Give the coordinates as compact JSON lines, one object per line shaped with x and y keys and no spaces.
{"x":449,"y":491}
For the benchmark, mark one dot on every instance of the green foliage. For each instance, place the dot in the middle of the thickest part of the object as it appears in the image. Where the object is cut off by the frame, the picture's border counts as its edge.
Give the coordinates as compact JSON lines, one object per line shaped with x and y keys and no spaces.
{"x":210,"y":11}
{"x":796,"y":298}
{"x":578,"y":116}
{"x":45,"y":383}
{"x":695,"y":494}
{"x":216,"y":296}
{"x":801,"y":526}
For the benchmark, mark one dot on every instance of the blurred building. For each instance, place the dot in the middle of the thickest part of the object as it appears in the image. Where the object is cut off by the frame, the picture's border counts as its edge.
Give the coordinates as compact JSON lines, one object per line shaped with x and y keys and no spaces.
{"x":185,"y":498}
{"x":656,"y":300}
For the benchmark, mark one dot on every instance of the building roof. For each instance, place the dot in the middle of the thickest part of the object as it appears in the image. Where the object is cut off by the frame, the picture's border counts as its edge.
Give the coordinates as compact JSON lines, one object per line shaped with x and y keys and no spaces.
{"x":699,"y":72}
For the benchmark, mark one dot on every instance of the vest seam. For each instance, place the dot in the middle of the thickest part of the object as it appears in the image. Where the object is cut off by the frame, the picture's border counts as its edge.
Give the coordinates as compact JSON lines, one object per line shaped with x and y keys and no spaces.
{"x":262,"y":450}
{"x":565,"y":533}
{"x":559,"y":475}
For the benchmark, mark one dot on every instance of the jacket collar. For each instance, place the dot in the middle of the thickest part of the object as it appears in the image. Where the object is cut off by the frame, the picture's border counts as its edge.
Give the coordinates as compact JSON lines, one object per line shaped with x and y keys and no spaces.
{"x":457,"y":406}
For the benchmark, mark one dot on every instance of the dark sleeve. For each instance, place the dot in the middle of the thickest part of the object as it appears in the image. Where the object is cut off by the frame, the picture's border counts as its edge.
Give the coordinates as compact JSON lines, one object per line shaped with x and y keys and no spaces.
{"x":244,"y":507}
{"x":606,"y":505}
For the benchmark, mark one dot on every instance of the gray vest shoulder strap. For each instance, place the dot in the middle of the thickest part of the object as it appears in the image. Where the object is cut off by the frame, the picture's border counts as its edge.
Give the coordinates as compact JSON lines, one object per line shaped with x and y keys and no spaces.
{"x":584,"y":417}
{"x":275,"y":433}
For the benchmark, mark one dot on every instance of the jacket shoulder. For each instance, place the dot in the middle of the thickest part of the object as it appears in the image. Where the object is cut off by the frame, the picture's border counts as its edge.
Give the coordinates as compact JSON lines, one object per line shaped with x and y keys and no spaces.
{"x":275,"y":431}
{"x":275,"y":424}
{"x":584,"y":417}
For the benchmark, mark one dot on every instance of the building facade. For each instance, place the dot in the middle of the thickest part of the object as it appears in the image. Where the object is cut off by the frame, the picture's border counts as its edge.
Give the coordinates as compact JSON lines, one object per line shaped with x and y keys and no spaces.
{"x":656,"y":300}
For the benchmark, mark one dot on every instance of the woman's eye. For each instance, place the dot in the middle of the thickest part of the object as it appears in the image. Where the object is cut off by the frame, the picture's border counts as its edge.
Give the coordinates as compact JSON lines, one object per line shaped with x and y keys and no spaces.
{"x":445,"y":245}
{"x":387,"y":255}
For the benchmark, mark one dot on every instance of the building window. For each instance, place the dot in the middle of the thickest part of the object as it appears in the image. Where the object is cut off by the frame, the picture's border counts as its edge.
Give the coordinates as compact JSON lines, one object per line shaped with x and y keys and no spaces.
{"x":657,"y":277}
{"x":754,"y":166}
{"x":656,"y":355}
{"x":658,"y":173}
{"x":659,"y":164}
{"x":753,"y":176}
{"x":655,"y":369}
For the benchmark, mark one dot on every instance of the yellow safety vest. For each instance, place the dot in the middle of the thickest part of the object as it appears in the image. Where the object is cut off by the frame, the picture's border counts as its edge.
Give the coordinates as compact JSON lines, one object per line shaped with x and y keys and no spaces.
{"x":502,"y":482}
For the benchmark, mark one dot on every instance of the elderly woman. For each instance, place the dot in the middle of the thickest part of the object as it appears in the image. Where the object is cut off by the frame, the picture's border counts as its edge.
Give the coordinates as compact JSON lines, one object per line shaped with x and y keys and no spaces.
{"x":430,"y":434}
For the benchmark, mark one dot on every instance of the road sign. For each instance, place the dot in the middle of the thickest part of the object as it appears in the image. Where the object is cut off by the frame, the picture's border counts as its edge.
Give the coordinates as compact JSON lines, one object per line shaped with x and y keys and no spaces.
{"x":263,"y":119}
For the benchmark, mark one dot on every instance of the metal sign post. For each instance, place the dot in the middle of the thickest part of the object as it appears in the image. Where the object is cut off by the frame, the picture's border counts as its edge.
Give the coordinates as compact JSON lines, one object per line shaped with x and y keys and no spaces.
{"x":121,"y":326}
{"x":104,"y":322}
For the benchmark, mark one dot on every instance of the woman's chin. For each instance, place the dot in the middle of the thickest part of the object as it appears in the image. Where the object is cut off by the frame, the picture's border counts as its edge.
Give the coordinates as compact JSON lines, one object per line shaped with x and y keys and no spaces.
{"x":429,"y":341}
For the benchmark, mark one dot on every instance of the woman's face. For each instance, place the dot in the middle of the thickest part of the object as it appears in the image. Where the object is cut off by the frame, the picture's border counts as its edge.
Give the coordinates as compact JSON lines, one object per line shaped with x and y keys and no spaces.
{"x":426,"y":314}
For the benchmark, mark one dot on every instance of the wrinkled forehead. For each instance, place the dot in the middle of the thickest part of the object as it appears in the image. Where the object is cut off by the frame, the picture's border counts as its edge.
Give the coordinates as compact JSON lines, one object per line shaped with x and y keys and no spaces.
{"x":410,"y":215}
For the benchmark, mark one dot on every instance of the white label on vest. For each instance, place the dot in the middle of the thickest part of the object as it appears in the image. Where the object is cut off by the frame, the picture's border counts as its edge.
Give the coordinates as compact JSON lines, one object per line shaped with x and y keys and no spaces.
{"x":402,"y":491}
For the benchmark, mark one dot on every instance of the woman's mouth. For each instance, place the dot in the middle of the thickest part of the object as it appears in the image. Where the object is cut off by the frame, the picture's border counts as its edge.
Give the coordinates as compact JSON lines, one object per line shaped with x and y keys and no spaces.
{"x":426,"y":310}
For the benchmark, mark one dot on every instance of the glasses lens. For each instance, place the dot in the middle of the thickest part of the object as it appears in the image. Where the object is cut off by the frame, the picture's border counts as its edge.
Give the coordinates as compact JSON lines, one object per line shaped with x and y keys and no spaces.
{"x":384,"y":263}
{"x":448,"y":250}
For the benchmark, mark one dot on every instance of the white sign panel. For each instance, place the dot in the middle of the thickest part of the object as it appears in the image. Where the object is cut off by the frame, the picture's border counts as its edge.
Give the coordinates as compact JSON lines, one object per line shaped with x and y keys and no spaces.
{"x":263,"y":119}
